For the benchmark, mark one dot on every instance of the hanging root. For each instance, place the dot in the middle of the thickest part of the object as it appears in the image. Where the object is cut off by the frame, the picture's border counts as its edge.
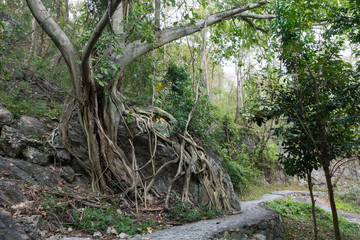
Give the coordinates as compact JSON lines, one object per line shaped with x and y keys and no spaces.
{"x":115,"y":162}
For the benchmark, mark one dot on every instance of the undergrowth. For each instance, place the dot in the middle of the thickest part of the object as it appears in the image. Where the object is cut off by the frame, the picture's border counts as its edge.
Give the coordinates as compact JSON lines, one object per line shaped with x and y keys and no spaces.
{"x":299,"y":225}
{"x":186,"y":212}
{"x":347,"y":202}
{"x":91,"y":219}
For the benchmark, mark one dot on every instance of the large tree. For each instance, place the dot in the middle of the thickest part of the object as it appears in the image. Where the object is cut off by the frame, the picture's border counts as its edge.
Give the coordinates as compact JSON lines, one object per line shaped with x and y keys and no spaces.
{"x":99,"y":107}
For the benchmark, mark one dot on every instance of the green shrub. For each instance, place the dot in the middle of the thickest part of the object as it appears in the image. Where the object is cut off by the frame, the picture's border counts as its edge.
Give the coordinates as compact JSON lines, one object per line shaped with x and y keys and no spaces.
{"x":98,"y":219}
{"x":186,"y":212}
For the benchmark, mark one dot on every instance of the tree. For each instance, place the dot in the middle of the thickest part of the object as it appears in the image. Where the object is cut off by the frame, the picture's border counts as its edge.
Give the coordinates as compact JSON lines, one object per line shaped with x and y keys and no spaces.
{"x":321,"y":98}
{"x":298,"y":156}
{"x":97,"y":103}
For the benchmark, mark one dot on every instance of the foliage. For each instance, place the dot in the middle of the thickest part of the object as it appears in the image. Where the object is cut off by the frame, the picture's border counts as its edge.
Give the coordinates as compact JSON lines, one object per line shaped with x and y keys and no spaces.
{"x":314,"y":62}
{"x":345,"y":19}
{"x":240,"y":166}
{"x":179,"y":100}
{"x":186,"y":212}
{"x":301,"y":213}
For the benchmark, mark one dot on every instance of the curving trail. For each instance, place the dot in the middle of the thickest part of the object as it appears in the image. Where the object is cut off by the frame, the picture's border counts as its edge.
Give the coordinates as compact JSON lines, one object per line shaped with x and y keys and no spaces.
{"x":252,"y":214}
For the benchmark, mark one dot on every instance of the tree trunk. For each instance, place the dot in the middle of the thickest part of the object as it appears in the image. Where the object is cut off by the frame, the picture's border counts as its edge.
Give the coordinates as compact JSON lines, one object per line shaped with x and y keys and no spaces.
{"x":157,"y":14}
{"x":238,"y":92}
{"x":332,"y":202}
{"x":220,"y":84}
{"x":310,"y":186}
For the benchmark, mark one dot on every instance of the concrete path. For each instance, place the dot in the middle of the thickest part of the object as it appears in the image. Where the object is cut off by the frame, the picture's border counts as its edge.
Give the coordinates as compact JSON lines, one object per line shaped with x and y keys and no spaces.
{"x":252,"y":213}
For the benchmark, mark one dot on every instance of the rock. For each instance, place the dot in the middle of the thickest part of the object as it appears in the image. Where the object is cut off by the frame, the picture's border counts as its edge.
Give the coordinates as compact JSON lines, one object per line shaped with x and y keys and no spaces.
{"x":32,"y":127}
{"x":97,"y":234}
{"x":34,"y":226}
{"x":258,"y":237}
{"x":34,"y":156}
{"x":111,"y":230}
{"x":8,"y":228}
{"x":67,"y":173}
{"x":10,"y":192}
{"x":63,"y":155}
{"x":30,"y":173}
{"x":5,"y":116}
{"x":13,"y":141}
{"x":123,"y":236}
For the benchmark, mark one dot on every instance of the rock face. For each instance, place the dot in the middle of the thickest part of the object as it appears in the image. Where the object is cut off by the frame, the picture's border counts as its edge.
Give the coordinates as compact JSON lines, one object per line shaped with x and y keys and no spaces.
{"x":5,"y":117}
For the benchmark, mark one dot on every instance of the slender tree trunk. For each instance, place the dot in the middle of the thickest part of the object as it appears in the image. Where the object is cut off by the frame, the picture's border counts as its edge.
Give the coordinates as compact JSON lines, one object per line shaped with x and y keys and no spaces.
{"x":220,"y":84}
{"x":238,"y":93}
{"x":332,"y":202}
{"x":310,"y":186}
{"x":66,"y":10}
{"x":157,"y":14}
{"x":33,"y":38}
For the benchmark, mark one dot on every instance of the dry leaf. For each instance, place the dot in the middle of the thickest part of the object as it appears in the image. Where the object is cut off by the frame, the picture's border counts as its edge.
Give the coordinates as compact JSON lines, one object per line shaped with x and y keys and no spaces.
{"x":149,"y":230}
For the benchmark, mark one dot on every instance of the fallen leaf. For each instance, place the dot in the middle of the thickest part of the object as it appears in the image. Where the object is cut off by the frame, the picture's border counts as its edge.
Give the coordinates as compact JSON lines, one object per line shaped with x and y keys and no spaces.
{"x":149,"y":230}
{"x":6,"y":173}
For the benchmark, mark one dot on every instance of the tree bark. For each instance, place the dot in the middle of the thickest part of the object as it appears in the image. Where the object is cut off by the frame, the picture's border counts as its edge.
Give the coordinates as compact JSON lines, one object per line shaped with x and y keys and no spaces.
{"x":332,"y":202}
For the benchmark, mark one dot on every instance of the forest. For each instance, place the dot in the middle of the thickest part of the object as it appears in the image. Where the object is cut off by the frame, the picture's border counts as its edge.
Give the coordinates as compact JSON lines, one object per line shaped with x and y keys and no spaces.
{"x":180,"y":111}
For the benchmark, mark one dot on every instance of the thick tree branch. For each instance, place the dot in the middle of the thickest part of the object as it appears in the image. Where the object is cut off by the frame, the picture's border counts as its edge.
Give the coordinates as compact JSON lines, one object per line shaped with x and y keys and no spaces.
{"x":255,"y":16}
{"x":138,"y":48}
{"x":60,"y":39}
{"x":95,"y":37}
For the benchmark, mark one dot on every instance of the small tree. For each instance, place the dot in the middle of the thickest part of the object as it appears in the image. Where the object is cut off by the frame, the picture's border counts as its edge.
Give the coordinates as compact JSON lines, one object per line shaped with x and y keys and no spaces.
{"x":321,"y":97}
{"x":298,"y":157}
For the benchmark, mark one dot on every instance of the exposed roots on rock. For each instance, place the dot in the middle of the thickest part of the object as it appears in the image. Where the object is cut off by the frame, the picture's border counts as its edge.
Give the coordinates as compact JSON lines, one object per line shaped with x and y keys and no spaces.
{"x":112,"y":162}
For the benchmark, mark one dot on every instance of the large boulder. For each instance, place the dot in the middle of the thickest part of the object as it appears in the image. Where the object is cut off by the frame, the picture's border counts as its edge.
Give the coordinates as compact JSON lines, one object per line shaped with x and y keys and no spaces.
{"x":5,"y":117}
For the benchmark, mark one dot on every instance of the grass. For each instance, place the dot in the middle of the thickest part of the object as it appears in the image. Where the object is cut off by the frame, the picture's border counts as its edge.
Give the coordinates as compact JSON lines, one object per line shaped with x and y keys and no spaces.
{"x":297,"y":218}
{"x":347,"y":202}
